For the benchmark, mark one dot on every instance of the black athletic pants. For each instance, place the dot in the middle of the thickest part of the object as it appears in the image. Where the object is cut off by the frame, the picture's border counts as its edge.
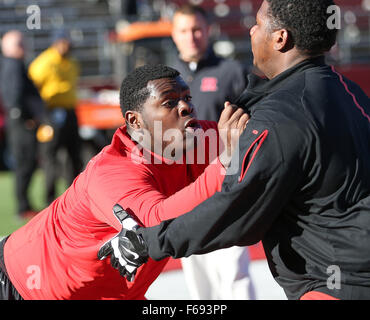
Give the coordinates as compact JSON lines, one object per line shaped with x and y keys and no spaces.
{"x":23,"y":145}
{"x":7,"y":290}
{"x":65,"y":125}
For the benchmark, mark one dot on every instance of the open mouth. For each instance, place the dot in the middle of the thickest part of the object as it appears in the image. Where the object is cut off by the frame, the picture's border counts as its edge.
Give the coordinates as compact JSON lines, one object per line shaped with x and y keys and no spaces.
{"x":192,"y":125}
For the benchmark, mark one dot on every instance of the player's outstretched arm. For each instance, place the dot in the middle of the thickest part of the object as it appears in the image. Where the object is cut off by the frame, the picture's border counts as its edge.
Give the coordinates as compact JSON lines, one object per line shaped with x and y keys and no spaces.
{"x":127,"y":249}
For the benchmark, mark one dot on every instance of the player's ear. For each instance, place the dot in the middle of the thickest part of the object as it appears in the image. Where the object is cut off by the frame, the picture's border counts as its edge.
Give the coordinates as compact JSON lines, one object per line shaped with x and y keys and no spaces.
{"x":133,"y":120}
{"x":282,"y":40}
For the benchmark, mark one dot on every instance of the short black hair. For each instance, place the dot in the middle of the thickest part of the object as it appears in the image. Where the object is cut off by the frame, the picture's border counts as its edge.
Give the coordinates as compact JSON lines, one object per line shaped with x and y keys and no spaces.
{"x":306,"y":21}
{"x":134,"y":92}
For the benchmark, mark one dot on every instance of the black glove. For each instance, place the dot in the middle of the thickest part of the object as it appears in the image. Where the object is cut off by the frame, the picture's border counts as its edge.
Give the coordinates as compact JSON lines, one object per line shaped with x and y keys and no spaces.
{"x":127,"y":249}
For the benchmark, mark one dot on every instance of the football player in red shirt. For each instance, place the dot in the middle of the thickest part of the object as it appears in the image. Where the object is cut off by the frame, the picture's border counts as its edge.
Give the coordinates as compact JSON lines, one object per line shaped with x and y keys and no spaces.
{"x":54,"y":256}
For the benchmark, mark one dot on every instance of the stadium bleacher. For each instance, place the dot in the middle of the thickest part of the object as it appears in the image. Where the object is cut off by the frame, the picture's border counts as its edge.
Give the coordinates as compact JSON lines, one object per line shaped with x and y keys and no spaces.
{"x":90,"y":22}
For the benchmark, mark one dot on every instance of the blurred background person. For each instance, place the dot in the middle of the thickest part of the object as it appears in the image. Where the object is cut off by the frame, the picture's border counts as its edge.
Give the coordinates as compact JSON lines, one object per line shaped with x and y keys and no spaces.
{"x":56,"y":75}
{"x":24,"y":112}
{"x":212,"y":81}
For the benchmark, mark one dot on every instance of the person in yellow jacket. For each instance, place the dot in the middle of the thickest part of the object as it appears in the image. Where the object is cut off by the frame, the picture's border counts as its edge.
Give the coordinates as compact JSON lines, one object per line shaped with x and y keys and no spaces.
{"x":56,"y":73}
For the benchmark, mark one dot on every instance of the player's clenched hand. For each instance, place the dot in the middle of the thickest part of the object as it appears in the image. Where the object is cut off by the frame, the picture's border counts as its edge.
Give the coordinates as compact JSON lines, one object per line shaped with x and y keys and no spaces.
{"x":231,"y":124}
{"x":127,"y":249}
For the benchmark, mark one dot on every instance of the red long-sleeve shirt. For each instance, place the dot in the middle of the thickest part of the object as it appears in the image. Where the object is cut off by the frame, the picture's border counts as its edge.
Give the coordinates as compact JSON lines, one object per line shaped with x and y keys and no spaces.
{"x":54,"y":256}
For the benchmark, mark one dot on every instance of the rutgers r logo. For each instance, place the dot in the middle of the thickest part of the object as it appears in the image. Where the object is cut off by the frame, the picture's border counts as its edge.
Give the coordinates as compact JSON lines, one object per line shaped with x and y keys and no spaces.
{"x":209,"y":84}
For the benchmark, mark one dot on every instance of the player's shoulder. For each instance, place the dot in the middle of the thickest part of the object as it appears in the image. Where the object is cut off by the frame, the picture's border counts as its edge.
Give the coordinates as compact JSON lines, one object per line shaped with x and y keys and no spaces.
{"x":113,"y":169}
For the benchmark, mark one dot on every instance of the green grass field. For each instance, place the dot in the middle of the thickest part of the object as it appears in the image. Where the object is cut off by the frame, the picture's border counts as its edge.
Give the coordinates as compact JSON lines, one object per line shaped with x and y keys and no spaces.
{"x":9,"y":221}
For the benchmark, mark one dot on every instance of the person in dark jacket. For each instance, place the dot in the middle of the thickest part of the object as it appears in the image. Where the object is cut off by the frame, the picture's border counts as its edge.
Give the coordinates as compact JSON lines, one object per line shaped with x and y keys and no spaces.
{"x":211,"y":78}
{"x":24,"y":111}
{"x":303,"y":185}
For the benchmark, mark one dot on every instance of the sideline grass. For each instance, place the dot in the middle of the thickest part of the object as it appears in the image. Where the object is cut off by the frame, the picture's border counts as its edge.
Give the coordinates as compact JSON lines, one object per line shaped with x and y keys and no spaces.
{"x":9,"y":221}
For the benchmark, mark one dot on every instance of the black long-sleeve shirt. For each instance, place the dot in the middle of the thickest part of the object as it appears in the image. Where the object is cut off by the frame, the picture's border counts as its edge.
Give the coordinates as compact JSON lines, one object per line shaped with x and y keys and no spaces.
{"x":302,"y":187}
{"x":18,"y":91}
